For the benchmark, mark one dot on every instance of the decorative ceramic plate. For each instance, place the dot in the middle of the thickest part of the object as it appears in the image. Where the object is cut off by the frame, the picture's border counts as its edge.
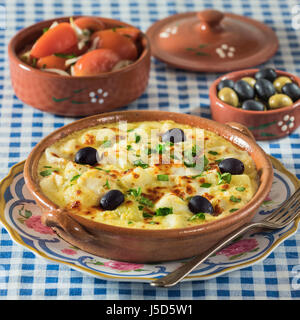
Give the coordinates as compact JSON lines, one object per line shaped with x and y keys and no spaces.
{"x":22,"y":218}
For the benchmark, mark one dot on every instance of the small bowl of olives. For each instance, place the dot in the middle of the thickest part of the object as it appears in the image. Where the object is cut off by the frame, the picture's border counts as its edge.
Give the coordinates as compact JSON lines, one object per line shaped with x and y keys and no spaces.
{"x":266,"y":101}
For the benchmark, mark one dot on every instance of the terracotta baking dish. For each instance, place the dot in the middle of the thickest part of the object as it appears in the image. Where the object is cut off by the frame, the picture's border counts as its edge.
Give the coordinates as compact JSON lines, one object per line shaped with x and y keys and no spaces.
{"x":138,"y":245}
{"x":264,"y":125}
{"x":76,"y":96}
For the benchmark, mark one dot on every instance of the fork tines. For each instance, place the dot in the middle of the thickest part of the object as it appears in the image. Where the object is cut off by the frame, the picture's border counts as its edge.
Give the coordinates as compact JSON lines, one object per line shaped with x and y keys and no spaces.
{"x":288,"y":209}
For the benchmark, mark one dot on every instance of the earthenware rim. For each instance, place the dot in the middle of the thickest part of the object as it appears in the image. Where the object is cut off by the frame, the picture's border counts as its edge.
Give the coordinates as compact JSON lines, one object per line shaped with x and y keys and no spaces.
{"x":250,"y":72}
{"x":230,"y":134}
{"x":39,"y":25}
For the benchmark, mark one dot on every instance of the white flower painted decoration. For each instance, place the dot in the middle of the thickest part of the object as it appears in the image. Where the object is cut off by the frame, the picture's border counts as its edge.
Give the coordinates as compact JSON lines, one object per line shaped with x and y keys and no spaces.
{"x":225,"y":51}
{"x":286,"y":123}
{"x":168,"y":31}
{"x":98,"y":96}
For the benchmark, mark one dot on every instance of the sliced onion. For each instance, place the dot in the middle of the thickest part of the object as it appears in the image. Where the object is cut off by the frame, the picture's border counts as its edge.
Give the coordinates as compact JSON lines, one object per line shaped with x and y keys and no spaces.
{"x":78,"y":31}
{"x":54,"y":24}
{"x":72,"y":60}
{"x":94,"y":44}
{"x":58,"y":71}
{"x":72,"y":71}
{"x":83,"y":35}
{"x":121,"y":64}
{"x":25,"y":56}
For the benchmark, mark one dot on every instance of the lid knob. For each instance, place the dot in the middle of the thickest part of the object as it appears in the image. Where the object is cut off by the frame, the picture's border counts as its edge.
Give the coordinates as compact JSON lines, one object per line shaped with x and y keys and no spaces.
{"x":209,"y":19}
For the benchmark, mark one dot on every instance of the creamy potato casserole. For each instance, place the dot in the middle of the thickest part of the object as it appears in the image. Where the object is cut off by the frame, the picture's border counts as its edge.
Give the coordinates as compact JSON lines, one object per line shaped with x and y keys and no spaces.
{"x":150,"y":174}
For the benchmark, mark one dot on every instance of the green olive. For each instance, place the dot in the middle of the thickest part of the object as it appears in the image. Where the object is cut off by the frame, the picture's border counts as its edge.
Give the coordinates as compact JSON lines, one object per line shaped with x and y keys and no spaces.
{"x":279,"y":100}
{"x":229,"y":96}
{"x":280,"y":82}
{"x":249,"y":80}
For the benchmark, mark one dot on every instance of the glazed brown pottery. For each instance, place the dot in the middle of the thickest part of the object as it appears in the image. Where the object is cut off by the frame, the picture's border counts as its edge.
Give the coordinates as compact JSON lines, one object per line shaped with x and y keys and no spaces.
{"x":76,"y":96}
{"x":138,"y":245}
{"x":211,"y":41}
{"x":264,"y":125}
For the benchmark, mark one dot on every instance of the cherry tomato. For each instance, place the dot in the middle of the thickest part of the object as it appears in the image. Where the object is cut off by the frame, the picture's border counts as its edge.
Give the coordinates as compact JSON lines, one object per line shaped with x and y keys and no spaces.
{"x":89,"y":23}
{"x":95,"y":62}
{"x":123,"y":46}
{"x":77,"y":52}
{"x":56,"y":40}
{"x":51,"y":62}
{"x":131,"y":32}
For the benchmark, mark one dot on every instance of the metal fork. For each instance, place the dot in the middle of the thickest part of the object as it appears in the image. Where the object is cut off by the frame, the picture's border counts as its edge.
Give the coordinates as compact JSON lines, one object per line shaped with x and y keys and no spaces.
{"x":281,"y":217}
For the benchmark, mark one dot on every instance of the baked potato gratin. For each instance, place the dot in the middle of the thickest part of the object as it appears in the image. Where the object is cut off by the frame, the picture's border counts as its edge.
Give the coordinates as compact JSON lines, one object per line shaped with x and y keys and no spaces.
{"x":150,"y":175}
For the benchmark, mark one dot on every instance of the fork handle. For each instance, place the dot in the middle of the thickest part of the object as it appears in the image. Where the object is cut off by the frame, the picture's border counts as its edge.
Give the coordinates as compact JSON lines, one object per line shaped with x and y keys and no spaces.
{"x":177,"y":275}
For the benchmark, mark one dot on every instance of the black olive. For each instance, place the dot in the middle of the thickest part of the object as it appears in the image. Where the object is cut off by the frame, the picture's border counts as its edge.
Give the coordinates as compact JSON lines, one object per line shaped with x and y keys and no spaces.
{"x":226,"y":83}
{"x":267,"y":73}
{"x":231,"y":165}
{"x":87,"y":155}
{"x":264,"y":89}
{"x":173,"y":135}
{"x":112,"y":199}
{"x":292,"y":90}
{"x":253,"y":105}
{"x":199,"y":204}
{"x":244,"y":90}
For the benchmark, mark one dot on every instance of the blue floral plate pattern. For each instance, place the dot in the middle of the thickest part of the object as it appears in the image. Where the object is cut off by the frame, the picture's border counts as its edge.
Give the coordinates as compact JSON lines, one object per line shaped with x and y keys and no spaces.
{"x":21,"y":217}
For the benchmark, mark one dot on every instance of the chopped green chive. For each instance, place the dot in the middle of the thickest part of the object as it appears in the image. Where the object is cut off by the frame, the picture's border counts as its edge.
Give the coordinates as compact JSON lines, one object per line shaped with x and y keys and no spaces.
{"x":34,"y":61}
{"x":162,"y":177}
{"x":240,"y":189}
{"x":164,"y":211}
{"x":205,"y":185}
{"x":214,"y":153}
{"x":147,"y":215}
{"x":106,"y":185}
{"x":219,"y":160}
{"x":140,"y":163}
{"x":65,"y":56}
{"x":161,"y":148}
{"x":205,"y":161}
{"x":46,"y":173}
{"x":199,"y":215}
{"x":137,"y":138}
{"x":197,"y":176}
{"x":135,"y":192}
{"x":129,"y":147}
{"x":224,"y":177}
{"x":100,"y":169}
{"x":146,"y":202}
{"x":235,"y":199}
{"x":75,"y":177}
{"x":233,"y":209}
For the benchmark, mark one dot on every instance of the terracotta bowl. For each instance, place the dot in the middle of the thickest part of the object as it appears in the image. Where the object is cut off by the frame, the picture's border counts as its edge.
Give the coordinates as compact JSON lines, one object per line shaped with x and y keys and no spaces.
{"x":264,"y":125}
{"x":74,"y":96}
{"x":139,"y":245}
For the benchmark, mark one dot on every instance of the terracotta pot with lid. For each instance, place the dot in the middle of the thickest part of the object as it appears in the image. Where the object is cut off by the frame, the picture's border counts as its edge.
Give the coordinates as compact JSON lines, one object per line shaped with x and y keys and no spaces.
{"x":139,"y":245}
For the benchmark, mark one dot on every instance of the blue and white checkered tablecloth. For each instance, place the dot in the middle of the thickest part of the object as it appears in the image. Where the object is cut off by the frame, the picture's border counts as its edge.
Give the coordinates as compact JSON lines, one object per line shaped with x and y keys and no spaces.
{"x":25,"y":276}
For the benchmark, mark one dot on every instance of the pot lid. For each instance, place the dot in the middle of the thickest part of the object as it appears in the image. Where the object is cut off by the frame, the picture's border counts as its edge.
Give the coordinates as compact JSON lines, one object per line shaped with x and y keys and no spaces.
{"x":211,"y":41}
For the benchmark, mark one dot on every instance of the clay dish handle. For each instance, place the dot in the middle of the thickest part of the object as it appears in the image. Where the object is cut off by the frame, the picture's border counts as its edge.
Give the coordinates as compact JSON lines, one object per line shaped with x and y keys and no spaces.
{"x":59,"y":219}
{"x":241,"y":128}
